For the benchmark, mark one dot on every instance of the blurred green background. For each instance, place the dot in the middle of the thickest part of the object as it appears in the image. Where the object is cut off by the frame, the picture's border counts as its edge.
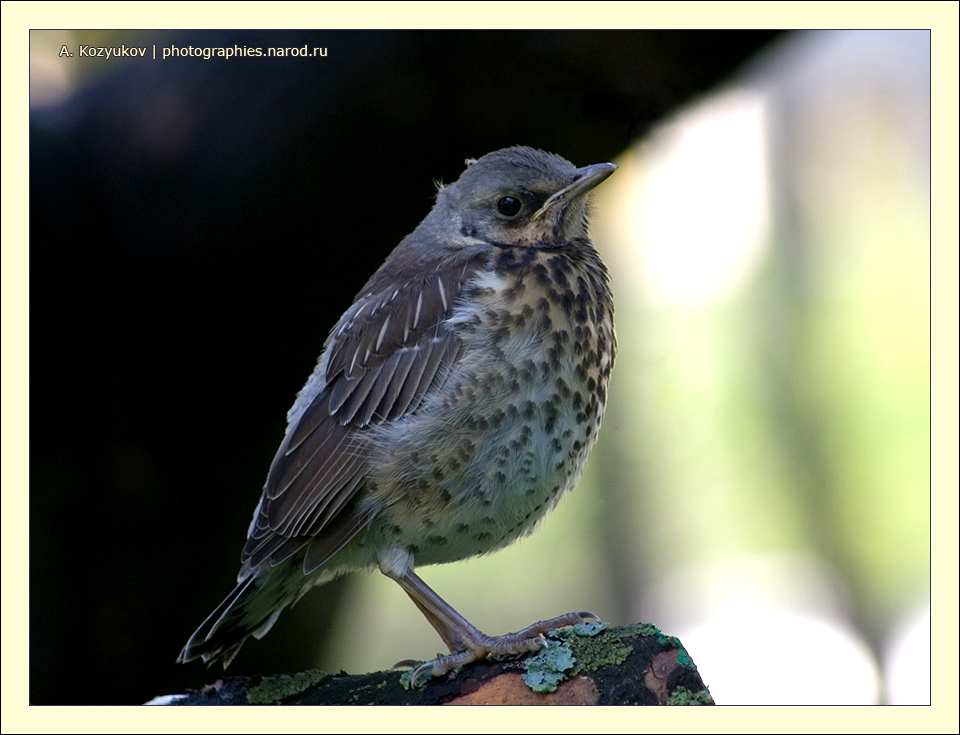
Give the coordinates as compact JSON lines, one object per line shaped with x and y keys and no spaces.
{"x":761,"y":483}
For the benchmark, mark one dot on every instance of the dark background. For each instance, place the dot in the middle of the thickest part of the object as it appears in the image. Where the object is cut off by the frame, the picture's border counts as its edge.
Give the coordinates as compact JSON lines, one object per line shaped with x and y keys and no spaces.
{"x":195,"y":229}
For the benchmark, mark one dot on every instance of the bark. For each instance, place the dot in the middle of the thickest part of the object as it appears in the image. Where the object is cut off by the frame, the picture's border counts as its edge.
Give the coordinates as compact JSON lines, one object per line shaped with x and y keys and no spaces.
{"x":635,"y":664}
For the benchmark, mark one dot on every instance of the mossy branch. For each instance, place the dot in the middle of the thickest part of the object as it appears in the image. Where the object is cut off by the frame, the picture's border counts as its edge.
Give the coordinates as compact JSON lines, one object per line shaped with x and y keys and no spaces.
{"x":635,"y":664}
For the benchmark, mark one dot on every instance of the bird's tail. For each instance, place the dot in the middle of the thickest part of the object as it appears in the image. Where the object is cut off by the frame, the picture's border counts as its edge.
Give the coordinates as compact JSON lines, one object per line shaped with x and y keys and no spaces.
{"x":250,"y":609}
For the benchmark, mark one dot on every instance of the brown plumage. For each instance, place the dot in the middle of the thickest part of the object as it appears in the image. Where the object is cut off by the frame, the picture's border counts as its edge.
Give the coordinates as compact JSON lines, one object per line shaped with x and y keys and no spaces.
{"x":383,"y":355}
{"x":453,"y":403}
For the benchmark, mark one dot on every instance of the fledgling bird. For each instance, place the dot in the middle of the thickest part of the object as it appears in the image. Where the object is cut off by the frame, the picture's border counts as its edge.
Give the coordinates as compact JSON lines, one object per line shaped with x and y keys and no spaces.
{"x":453,"y":405}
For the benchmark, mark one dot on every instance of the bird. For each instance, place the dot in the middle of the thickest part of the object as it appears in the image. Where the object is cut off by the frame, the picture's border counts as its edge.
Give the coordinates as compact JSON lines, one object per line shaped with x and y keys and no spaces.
{"x":453,"y":404}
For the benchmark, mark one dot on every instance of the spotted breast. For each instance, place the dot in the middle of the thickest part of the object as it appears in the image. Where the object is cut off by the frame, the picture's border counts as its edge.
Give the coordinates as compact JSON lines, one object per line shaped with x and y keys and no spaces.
{"x":485,"y":458}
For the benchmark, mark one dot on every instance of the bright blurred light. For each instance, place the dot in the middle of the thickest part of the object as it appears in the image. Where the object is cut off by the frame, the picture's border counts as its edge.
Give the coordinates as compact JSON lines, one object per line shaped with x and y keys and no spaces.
{"x":907,"y":670}
{"x":768,"y":629}
{"x":751,"y":654}
{"x":697,"y":205}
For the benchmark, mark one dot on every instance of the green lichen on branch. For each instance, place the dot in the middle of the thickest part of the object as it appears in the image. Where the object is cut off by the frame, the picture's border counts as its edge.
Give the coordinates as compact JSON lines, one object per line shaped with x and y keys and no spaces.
{"x":638,"y":630}
{"x":364,"y":692}
{"x":683,"y":658}
{"x":666,"y":641}
{"x":589,"y":648}
{"x":635,"y":664}
{"x":547,"y":669}
{"x":684,"y":697}
{"x":671,"y":641}
{"x":275,"y":689}
{"x":597,"y":652}
{"x":611,"y":646}
{"x":577,"y":649}
{"x":406,"y":680}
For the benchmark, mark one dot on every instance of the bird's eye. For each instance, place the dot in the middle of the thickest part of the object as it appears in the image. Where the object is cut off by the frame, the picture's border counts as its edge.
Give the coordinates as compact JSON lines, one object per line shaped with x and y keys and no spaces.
{"x":509,"y":206}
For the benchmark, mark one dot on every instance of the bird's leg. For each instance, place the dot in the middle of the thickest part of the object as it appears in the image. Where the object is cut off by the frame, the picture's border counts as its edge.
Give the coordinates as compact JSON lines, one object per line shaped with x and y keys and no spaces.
{"x":466,"y":642}
{"x":453,"y":642}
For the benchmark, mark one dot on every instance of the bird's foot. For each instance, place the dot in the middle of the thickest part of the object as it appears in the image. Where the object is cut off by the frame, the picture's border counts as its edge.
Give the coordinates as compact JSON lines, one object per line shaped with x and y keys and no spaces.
{"x":480,"y":646}
{"x":405,"y":665}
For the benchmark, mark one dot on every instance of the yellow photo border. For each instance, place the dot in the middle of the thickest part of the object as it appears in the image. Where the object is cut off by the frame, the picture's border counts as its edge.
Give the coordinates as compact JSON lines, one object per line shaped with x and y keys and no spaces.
{"x":940,"y":17}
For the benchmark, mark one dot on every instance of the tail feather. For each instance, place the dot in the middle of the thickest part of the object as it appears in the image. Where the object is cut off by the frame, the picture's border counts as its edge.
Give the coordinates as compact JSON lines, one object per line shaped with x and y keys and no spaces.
{"x":264,"y":590}
{"x":251,"y":608}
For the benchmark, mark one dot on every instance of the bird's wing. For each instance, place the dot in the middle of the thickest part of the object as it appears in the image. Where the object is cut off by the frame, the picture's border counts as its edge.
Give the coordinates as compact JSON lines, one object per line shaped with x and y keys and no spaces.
{"x":379,"y":363}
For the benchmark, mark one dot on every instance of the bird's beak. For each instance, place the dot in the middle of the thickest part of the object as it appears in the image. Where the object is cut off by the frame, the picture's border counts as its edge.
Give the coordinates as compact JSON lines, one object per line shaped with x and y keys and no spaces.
{"x":587,"y":178}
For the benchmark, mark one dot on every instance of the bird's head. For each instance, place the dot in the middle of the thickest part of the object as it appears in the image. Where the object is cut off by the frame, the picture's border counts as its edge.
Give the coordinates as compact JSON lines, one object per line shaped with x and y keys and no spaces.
{"x":518,"y":197}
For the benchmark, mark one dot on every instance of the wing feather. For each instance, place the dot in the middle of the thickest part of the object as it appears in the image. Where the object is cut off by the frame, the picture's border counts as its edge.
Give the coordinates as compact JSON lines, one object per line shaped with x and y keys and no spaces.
{"x":385,"y":377}
{"x":407,"y":358}
{"x":380,"y":362}
{"x":341,"y":391}
{"x":410,"y":385}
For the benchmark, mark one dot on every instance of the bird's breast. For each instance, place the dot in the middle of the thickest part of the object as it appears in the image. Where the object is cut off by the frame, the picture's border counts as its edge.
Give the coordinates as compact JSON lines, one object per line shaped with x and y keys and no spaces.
{"x":509,"y":430}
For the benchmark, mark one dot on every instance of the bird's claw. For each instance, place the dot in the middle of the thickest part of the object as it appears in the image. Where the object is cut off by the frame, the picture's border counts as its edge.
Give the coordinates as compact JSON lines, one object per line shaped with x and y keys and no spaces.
{"x":529,"y":640}
{"x":405,"y":665}
{"x":441,"y":666}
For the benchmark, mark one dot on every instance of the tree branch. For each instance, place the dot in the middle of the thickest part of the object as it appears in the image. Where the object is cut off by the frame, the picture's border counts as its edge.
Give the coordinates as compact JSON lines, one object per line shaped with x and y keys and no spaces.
{"x":635,"y":664}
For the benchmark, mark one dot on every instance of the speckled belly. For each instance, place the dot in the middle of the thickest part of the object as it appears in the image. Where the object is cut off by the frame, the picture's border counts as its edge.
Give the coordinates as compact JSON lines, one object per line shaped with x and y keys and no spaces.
{"x":507,"y":435}
{"x":477,"y":483}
